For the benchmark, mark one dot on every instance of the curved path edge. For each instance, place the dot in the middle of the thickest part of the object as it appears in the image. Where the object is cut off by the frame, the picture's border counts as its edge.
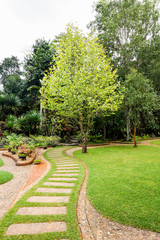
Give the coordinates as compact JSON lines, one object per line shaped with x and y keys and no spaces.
{"x":93,"y":225}
{"x":32,"y":179}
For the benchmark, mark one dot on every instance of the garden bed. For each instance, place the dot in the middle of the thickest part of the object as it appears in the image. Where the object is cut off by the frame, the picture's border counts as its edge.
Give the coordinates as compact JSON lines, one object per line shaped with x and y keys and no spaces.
{"x":19,"y":162}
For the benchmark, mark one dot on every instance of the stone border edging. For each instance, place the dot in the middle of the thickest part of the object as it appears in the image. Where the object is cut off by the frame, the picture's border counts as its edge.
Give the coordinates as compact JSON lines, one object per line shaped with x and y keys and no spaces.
{"x":83,"y":223}
{"x":3,"y":149}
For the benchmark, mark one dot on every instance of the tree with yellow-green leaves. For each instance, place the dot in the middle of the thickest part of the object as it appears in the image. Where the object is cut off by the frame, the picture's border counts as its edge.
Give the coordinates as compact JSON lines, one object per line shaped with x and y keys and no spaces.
{"x":82,"y":83}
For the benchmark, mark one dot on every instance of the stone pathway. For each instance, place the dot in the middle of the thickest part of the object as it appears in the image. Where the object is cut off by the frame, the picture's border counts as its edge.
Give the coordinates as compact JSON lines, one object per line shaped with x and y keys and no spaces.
{"x":9,"y":190}
{"x":61,"y":185}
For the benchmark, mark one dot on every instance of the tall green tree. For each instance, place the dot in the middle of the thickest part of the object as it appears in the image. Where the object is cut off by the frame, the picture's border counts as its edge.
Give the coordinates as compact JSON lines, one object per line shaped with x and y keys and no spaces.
{"x":140,"y":98}
{"x":39,"y":60}
{"x":9,"y":67}
{"x":124,"y":27}
{"x":36,"y":63}
{"x":83,"y":83}
{"x":128,"y":30}
{"x":149,"y":62}
{"x":14,"y":85}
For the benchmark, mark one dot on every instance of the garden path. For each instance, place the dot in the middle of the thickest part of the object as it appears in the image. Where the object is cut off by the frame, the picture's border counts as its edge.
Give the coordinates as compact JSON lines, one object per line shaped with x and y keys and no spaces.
{"x":94,"y":226}
{"x":61,"y":183}
{"x":9,"y":190}
{"x":24,"y":178}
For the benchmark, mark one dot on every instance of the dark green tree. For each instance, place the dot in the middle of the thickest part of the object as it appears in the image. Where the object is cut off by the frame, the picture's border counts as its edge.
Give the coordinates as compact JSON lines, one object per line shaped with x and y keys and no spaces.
{"x":124,"y":27}
{"x":36,"y":63}
{"x":9,"y":67}
{"x":140,"y":98}
{"x":128,"y":30}
{"x":14,"y":85}
{"x":149,"y":62}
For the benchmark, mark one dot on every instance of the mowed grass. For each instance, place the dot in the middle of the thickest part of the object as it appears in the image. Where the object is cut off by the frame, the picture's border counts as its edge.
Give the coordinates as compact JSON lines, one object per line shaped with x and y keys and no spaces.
{"x":4,"y":175}
{"x":124,"y":184}
{"x":157,"y":142}
{"x":1,"y":162}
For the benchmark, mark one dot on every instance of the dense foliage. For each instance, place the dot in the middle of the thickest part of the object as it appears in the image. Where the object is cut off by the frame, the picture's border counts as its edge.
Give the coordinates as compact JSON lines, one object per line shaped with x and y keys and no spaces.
{"x":129,"y":31}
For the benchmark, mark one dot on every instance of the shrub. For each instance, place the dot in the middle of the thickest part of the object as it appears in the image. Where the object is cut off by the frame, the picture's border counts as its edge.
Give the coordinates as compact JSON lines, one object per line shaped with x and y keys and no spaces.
{"x":45,"y":140}
{"x":37,"y":161}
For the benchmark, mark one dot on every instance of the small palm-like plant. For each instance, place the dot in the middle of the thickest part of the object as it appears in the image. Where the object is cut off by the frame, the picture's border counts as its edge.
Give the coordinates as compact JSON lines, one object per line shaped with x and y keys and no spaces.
{"x":11,"y":122}
{"x":30,"y":121}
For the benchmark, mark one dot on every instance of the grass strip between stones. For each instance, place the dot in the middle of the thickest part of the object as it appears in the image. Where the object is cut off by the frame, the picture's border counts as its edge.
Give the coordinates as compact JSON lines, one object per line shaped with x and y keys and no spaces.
{"x":72,"y":232}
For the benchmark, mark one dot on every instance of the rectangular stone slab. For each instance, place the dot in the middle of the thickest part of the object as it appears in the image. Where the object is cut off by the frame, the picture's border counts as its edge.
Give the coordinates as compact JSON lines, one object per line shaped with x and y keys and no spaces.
{"x":58,"y":163}
{"x":62,"y":179}
{"x":41,"y":210}
{"x":54,"y":190}
{"x":65,"y":175}
{"x":34,"y":228}
{"x":63,"y":184}
{"x":57,"y":171}
{"x":48,"y":199}
{"x":64,"y":160}
{"x":66,"y":165}
{"x":67,"y":168}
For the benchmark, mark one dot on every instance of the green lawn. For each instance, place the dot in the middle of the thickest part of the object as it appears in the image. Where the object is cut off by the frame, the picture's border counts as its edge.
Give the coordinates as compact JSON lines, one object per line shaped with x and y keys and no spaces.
{"x":1,"y":163}
{"x":157,"y":142}
{"x":4,"y":175}
{"x":124,"y":184}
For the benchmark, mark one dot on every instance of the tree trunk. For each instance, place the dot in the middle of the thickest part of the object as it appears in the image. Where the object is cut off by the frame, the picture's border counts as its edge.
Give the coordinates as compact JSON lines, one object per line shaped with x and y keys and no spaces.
{"x":84,"y":133}
{"x":45,"y":119}
{"x":135,"y":128}
{"x":104,"y":132}
{"x":84,"y":144}
{"x":128,"y":126}
{"x":40,"y":111}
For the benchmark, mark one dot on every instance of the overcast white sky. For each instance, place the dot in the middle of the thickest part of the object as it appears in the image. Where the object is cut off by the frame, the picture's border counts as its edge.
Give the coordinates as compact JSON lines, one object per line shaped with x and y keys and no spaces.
{"x":24,"y":21}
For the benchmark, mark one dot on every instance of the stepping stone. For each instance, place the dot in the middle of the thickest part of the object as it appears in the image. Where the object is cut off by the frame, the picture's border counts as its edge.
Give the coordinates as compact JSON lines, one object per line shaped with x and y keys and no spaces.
{"x":64,"y":159}
{"x":41,"y":210}
{"x":54,"y":190}
{"x":67,"y":168}
{"x":57,"y":171}
{"x":48,"y":199}
{"x":66,"y":165}
{"x":34,"y":228}
{"x":62,"y":179}
{"x":65,"y":175}
{"x":63,"y":184}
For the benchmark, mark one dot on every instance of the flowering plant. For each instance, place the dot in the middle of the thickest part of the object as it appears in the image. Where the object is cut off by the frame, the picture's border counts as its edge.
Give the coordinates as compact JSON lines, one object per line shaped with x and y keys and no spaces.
{"x":23,"y":150}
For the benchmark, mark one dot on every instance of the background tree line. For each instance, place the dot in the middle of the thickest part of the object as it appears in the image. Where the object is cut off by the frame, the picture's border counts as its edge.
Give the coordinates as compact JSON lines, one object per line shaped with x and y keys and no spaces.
{"x":129,"y":32}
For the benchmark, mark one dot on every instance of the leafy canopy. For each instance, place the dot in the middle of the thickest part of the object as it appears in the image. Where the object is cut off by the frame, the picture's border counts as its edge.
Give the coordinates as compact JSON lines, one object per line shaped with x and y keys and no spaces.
{"x":82,"y":83}
{"x":124,"y":27}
